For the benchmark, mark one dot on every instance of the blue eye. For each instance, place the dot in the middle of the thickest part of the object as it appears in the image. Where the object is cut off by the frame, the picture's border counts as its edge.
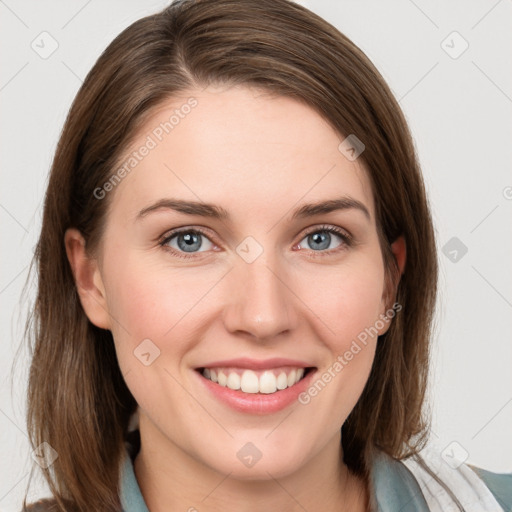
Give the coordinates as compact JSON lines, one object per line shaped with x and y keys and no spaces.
{"x":321,"y":237}
{"x":187,"y":240}
{"x":185,"y":243}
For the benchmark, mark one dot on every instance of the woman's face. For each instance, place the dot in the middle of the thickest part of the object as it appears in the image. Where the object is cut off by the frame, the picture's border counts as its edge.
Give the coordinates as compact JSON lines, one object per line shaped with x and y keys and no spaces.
{"x":263,"y":294}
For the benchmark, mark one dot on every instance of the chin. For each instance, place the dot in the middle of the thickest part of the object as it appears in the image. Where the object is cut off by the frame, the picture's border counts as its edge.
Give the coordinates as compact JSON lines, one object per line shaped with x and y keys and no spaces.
{"x":252,"y":463}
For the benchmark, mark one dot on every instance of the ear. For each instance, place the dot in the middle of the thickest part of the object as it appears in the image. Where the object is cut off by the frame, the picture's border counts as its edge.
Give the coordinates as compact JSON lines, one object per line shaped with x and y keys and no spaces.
{"x":88,"y":279}
{"x":399,"y":250}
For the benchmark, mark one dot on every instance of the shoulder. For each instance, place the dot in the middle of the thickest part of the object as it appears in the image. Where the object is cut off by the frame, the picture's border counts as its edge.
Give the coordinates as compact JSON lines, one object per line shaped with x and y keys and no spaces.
{"x":500,"y":484}
{"x":394,"y":486}
{"x":447,"y":482}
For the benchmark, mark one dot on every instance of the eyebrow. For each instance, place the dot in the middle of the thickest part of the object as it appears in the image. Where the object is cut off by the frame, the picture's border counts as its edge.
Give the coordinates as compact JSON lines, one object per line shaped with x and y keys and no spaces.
{"x":217,"y":212}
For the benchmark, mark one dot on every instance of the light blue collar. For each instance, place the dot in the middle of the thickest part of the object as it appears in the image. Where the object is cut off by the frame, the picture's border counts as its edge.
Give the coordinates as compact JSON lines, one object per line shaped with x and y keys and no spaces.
{"x":131,"y":497}
{"x":394,"y":486}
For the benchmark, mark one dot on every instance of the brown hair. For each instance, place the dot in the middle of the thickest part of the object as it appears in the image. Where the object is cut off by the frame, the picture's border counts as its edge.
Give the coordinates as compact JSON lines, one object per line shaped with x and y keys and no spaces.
{"x":78,"y":401}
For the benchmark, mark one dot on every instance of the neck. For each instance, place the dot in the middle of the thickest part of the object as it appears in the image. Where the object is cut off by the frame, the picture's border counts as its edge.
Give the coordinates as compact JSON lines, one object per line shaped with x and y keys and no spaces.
{"x":171,"y":479}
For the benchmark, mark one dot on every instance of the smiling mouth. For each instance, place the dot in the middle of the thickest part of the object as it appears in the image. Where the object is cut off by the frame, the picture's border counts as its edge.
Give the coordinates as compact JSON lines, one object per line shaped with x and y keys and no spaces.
{"x":256,"y":382}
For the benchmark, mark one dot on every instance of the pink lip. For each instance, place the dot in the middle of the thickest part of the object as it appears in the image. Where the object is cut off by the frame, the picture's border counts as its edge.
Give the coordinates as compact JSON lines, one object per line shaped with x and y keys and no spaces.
{"x":256,"y":403}
{"x":254,"y":364}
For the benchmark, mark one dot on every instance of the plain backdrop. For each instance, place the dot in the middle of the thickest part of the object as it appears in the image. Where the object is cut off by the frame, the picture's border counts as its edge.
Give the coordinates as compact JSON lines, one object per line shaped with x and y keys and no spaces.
{"x":448,"y":63}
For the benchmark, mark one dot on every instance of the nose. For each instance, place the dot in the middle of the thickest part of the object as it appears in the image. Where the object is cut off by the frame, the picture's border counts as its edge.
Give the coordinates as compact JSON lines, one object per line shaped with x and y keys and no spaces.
{"x":262,"y":304}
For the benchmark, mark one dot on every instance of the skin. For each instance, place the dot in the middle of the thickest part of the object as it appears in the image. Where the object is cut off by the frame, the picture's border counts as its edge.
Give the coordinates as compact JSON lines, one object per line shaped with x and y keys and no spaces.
{"x":259,"y":157}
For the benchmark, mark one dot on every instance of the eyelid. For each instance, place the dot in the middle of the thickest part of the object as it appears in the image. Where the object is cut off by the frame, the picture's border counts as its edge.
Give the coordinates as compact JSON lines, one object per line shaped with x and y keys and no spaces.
{"x":326,"y":227}
{"x":185,"y":229}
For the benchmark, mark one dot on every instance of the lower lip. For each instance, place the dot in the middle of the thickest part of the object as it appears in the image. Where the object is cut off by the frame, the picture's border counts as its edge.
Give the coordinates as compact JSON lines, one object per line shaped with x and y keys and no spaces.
{"x":257,"y":403}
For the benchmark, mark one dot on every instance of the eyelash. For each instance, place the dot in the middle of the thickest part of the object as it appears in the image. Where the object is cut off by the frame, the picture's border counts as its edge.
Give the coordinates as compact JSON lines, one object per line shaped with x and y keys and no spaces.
{"x":347,"y":240}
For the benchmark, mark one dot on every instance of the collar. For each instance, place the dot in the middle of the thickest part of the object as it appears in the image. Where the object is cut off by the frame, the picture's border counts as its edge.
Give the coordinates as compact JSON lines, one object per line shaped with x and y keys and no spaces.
{"x":130,"y":494}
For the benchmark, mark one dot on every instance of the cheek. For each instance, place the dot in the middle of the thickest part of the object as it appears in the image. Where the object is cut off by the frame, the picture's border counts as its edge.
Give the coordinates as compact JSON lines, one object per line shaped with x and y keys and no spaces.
{"x":151,"y":301}
{"x":148,"y":300}
{"x":347,"y":299}
{"x":152,"y":311}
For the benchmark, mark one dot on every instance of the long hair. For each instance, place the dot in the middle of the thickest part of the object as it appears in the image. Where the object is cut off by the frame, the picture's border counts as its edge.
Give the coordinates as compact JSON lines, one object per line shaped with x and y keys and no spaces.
{"x":78,"y":401}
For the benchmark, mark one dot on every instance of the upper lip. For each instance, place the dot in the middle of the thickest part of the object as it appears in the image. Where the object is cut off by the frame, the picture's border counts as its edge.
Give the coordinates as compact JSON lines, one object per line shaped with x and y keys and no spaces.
{"x":255,"y":364}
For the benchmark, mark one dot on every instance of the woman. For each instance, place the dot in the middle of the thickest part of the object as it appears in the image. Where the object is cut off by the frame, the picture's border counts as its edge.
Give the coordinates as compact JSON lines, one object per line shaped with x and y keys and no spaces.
{"x":237,"y":279}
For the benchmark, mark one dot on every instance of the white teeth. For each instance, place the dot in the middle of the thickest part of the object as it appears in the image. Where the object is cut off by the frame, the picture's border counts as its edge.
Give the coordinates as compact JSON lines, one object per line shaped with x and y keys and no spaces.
{"x":268,"y":383}
{"x":250,"y":382}
{"x":233,"y":381}
{"x":282,"y":381}
{"x":223,"y":379}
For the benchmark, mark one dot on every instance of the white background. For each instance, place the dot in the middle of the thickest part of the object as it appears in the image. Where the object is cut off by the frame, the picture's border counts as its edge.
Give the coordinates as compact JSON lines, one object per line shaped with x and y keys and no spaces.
{"x":459,"y":111}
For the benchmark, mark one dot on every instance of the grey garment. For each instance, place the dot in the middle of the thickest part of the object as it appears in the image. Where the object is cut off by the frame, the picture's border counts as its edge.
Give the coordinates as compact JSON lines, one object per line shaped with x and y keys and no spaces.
{"x":499,"y":484}
{"x":394,"y":487}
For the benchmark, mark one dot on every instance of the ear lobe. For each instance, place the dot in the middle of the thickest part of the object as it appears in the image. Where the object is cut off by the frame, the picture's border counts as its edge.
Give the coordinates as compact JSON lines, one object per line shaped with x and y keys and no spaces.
{"x":88,"y":281}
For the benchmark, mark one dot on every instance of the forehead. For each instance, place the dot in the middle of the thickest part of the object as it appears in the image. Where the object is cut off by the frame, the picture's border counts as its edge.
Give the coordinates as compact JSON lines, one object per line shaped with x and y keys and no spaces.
{"x":241,"y":148}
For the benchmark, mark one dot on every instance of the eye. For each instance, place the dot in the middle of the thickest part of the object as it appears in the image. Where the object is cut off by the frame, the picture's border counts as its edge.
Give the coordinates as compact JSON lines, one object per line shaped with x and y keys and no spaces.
{"x":320,"y":239}
{"x":186,"y":241}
